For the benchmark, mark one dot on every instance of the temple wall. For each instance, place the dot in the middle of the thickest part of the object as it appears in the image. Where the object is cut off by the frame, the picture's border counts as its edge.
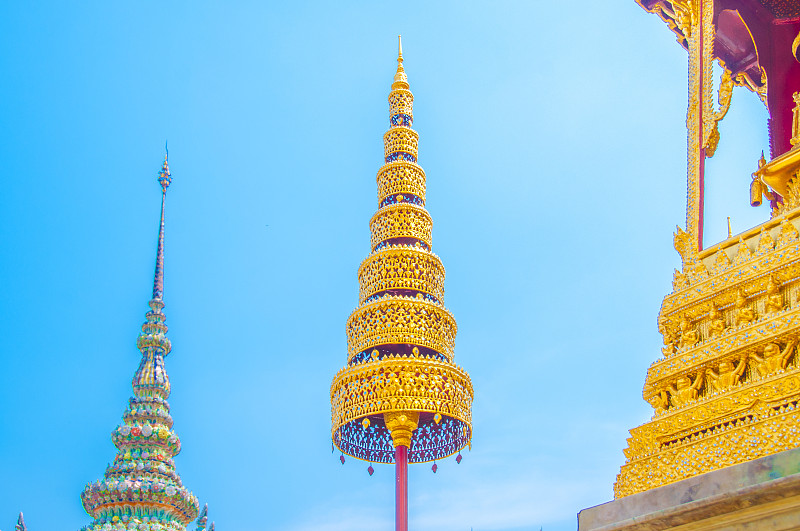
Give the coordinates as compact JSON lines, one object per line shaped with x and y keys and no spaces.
{"x":756,"y":495}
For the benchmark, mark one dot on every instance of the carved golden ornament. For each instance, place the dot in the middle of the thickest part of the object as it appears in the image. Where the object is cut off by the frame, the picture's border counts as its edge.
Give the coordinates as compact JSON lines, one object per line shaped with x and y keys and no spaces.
{"x":721,"y":262}
{"x":774,"y":359}
{"x":716,"y":322}
{"x":401,"y":320}
{"x":684,"y":244}
{"x":765,"y":242}
{"x":743,"y":253}
{"x":401,"y":220}
{"x":401,"y":177}
{"x":688,"y":333}
{"x":728,"y":374}
{"x":401,"y":268}
{"x":400,"y":139}
{"x":401,"y":102}
{"x":401,"y":424}
{"x":670,"y":339}
{"x":712,"y":118}
{"x":744,"y":313}
{"x":399,"y":383}
{"x":774,"y":302}
{"x":792,"y":198}
{"x":788,"y":233}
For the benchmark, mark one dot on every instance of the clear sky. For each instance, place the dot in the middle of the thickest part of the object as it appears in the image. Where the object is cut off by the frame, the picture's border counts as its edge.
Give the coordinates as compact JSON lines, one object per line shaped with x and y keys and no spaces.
{"x":553,"y":138}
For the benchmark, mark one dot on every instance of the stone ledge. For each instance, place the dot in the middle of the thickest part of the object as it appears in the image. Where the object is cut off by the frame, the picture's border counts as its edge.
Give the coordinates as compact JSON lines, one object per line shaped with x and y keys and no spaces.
{"x":759,"y":487}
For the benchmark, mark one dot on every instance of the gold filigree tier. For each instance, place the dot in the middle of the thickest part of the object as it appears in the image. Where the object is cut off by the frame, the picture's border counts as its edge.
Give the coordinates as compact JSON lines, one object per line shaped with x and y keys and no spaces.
{"x":401,"y":178}
{"x":395,"y":320}
{"x":401,"y":102}
{"x":401,"y":220}
{"x":400,"y":140}
{"x":405,"y":268}
{"x":441,"y":392}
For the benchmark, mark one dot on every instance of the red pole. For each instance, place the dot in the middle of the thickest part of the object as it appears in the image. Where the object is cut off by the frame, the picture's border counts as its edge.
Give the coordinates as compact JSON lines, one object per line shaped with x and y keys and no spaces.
{"x":401,"y":488}
{"x":701,"y":170}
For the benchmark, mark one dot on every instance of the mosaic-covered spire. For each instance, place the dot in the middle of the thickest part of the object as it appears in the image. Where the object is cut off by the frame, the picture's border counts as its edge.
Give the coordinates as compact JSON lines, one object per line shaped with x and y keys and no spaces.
{"x":20,"y":524}
{"x":400,"y":386}
{"x":141,"y":490}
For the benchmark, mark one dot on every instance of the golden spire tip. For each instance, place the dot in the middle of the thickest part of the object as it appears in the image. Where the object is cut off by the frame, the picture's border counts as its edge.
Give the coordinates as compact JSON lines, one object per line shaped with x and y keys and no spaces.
{"x":400,"y":79}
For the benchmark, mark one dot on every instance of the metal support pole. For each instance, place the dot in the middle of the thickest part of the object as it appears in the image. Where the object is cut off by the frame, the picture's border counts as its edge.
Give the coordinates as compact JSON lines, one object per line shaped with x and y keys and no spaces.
{"x":401,"y":488}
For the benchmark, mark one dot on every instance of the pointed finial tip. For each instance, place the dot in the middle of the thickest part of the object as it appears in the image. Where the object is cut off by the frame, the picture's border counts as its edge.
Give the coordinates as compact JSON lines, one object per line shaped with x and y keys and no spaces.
{"x":164,"y":176}
{"x":400,"y":79}
{"x":399,"y":48}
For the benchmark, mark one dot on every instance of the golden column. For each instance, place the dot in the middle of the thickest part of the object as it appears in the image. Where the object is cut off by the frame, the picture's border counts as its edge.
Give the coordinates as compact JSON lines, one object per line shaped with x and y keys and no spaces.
{"x":400,"y":399}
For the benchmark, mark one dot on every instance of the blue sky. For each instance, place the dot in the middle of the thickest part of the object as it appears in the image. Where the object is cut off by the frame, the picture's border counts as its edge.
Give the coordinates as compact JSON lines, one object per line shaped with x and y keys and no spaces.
{"x":553,"y":139}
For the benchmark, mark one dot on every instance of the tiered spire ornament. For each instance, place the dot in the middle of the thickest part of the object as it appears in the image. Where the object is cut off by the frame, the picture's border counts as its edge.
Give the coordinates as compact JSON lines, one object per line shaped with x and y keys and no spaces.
{"x":400,"y":398}
{"x":141,"y":491}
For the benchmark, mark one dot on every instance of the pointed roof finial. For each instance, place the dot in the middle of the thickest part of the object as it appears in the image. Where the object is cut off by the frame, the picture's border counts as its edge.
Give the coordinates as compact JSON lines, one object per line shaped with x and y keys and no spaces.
{"x":20,"y":524}
{"x":400,"y":79}
{"x":164,"y":179}
{"x":164,"y":176}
